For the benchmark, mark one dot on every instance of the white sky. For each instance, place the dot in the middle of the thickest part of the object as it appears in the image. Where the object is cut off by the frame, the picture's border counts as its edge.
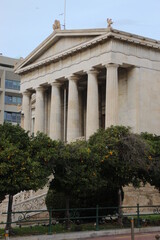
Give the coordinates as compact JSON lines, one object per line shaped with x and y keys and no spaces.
{"x":24,"y":24}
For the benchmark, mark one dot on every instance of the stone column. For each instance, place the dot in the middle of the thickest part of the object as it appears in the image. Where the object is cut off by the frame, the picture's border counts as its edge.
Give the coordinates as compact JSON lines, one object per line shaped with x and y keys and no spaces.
{"x":92,"y":121}
{"x":111,"y":110}
{"x":39,"y":110}
{"x":55,"y":114}
{"x":81,"y":111}
{"x":73,"y":131}
{"x":26,"y":110}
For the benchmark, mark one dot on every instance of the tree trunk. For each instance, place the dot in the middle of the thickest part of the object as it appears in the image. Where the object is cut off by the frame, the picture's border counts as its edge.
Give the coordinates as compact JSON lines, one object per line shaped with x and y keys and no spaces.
{"x":67,"y":213}
{"x":9,"y":213}
{"x":120,"y":206}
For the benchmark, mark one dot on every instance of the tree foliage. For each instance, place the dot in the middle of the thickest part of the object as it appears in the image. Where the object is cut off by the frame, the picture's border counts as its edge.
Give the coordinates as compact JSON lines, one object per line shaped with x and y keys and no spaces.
{"x":73,"y":170}
{"x":153,"y":142}
{"x":22,"y":162}
{"x":21,"y":167}
{"x":110,"y":160}
{"x":74,"y":173}
{"x":122,"y":156}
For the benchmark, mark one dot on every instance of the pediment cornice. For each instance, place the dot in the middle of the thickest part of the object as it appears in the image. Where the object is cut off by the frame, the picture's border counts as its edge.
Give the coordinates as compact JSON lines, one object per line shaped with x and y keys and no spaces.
{"x":104,"y":35}
{"x":52,"y":38}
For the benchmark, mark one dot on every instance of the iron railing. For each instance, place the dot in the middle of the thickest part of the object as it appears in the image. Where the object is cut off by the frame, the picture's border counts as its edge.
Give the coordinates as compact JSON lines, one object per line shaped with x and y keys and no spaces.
{"x":97,"y":216}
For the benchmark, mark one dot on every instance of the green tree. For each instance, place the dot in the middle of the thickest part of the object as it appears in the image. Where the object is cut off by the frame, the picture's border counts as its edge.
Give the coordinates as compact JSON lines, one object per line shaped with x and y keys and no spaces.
{"x":110,"y":160}
{"x":153,"y":142}
{"x":22,"y":162}
{"x":122,"y":156}
{"x":74,"y":172}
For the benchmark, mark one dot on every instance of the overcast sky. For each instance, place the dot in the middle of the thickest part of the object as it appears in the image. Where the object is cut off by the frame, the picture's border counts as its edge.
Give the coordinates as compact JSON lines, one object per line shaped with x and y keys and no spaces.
{"x":24,"y":24}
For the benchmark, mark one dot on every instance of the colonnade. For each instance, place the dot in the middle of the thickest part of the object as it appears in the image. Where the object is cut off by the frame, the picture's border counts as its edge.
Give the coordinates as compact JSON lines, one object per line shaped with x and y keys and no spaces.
{"x":73,"y":113}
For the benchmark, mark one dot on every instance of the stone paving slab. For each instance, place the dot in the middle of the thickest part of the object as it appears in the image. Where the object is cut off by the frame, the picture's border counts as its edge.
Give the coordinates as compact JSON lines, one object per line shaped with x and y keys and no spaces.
{"x":87,"y":234}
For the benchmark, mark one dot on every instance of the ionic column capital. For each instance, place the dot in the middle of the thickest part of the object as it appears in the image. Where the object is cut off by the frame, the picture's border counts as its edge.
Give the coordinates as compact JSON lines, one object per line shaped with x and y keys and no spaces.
{"x":92,"y":71}
{"x":40,"y":89}
{"x":113,"y":65}
{"x":73,"y":78}
{"x":56,"y":84}
{"x":26,"y":93}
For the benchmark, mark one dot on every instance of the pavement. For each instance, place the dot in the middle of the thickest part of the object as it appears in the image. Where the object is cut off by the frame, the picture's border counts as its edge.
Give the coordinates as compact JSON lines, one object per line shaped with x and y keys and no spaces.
{"x":138,"y":236}
{"x":147,"y":233}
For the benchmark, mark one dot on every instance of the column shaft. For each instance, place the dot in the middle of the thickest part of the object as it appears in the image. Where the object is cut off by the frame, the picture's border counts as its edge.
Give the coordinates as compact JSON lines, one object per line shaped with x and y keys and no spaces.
{"x":26,"y":108}
{"x":73,"y":131}
{"x":111,"y":111}
{"x":55,"y":115}
{"x":39,"y":111}
{"x":92,"y":121}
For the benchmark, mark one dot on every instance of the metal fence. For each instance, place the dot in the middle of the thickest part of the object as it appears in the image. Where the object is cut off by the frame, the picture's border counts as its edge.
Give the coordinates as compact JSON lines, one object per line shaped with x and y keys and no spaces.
{"x":97,"y":218}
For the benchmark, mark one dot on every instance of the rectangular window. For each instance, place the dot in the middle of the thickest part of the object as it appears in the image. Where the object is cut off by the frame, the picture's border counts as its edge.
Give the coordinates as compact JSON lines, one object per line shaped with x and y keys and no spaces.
{"x":19,"y":100}
{"x":8,"y":117}
{"x":12,"y":117}
{"x":18,"y":119}
{"x":12,"y":84}
{"x":6,"y":99}
{"x":15,"y":100}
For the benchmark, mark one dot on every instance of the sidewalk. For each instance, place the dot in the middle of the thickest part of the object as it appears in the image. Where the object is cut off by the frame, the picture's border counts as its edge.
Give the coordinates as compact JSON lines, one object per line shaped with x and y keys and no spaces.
{"x":87,"y":234}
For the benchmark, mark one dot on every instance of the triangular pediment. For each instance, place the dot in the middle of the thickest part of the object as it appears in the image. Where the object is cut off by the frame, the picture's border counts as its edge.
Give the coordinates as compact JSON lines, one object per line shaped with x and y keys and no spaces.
{"x":58,"y":42}
{"x":63,"y":44}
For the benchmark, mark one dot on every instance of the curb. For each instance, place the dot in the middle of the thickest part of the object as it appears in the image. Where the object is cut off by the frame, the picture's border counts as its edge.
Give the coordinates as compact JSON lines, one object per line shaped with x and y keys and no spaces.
{"x":87,"y":234}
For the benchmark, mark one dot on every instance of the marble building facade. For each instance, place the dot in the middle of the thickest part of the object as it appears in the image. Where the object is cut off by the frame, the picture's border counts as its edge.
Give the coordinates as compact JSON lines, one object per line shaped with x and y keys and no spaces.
{"x":77,"y":81}
{"x":86,"y":79}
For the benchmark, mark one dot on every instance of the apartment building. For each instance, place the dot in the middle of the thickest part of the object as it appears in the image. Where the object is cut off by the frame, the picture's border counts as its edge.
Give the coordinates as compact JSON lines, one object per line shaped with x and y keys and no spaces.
{"x":10,"y":96}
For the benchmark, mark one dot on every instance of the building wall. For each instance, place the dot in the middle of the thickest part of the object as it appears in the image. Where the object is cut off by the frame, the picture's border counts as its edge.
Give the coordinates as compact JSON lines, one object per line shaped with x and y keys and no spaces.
{"x":2,"y":77}
{"x":7,"y":73}
{"x":144,"y":196}
{"x":149,"y":107}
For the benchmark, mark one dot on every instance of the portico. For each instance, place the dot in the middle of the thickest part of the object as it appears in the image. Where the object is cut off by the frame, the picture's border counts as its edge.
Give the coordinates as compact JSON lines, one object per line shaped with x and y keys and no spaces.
{"x":75,"y":104}
{"x":87,"y":79}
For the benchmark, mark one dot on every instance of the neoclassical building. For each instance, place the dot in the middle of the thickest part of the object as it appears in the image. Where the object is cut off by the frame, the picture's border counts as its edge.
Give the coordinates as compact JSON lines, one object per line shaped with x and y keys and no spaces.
{"x":81,"y":80}
{"x":77,"y":81}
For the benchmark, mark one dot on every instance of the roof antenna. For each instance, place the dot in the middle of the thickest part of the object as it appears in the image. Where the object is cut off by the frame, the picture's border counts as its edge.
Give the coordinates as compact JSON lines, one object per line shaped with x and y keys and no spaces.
{"x":64,"y":14}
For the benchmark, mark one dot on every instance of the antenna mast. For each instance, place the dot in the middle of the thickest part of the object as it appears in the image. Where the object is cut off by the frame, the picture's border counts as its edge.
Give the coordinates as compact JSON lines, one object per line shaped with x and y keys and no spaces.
{"x":64,"y":14}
